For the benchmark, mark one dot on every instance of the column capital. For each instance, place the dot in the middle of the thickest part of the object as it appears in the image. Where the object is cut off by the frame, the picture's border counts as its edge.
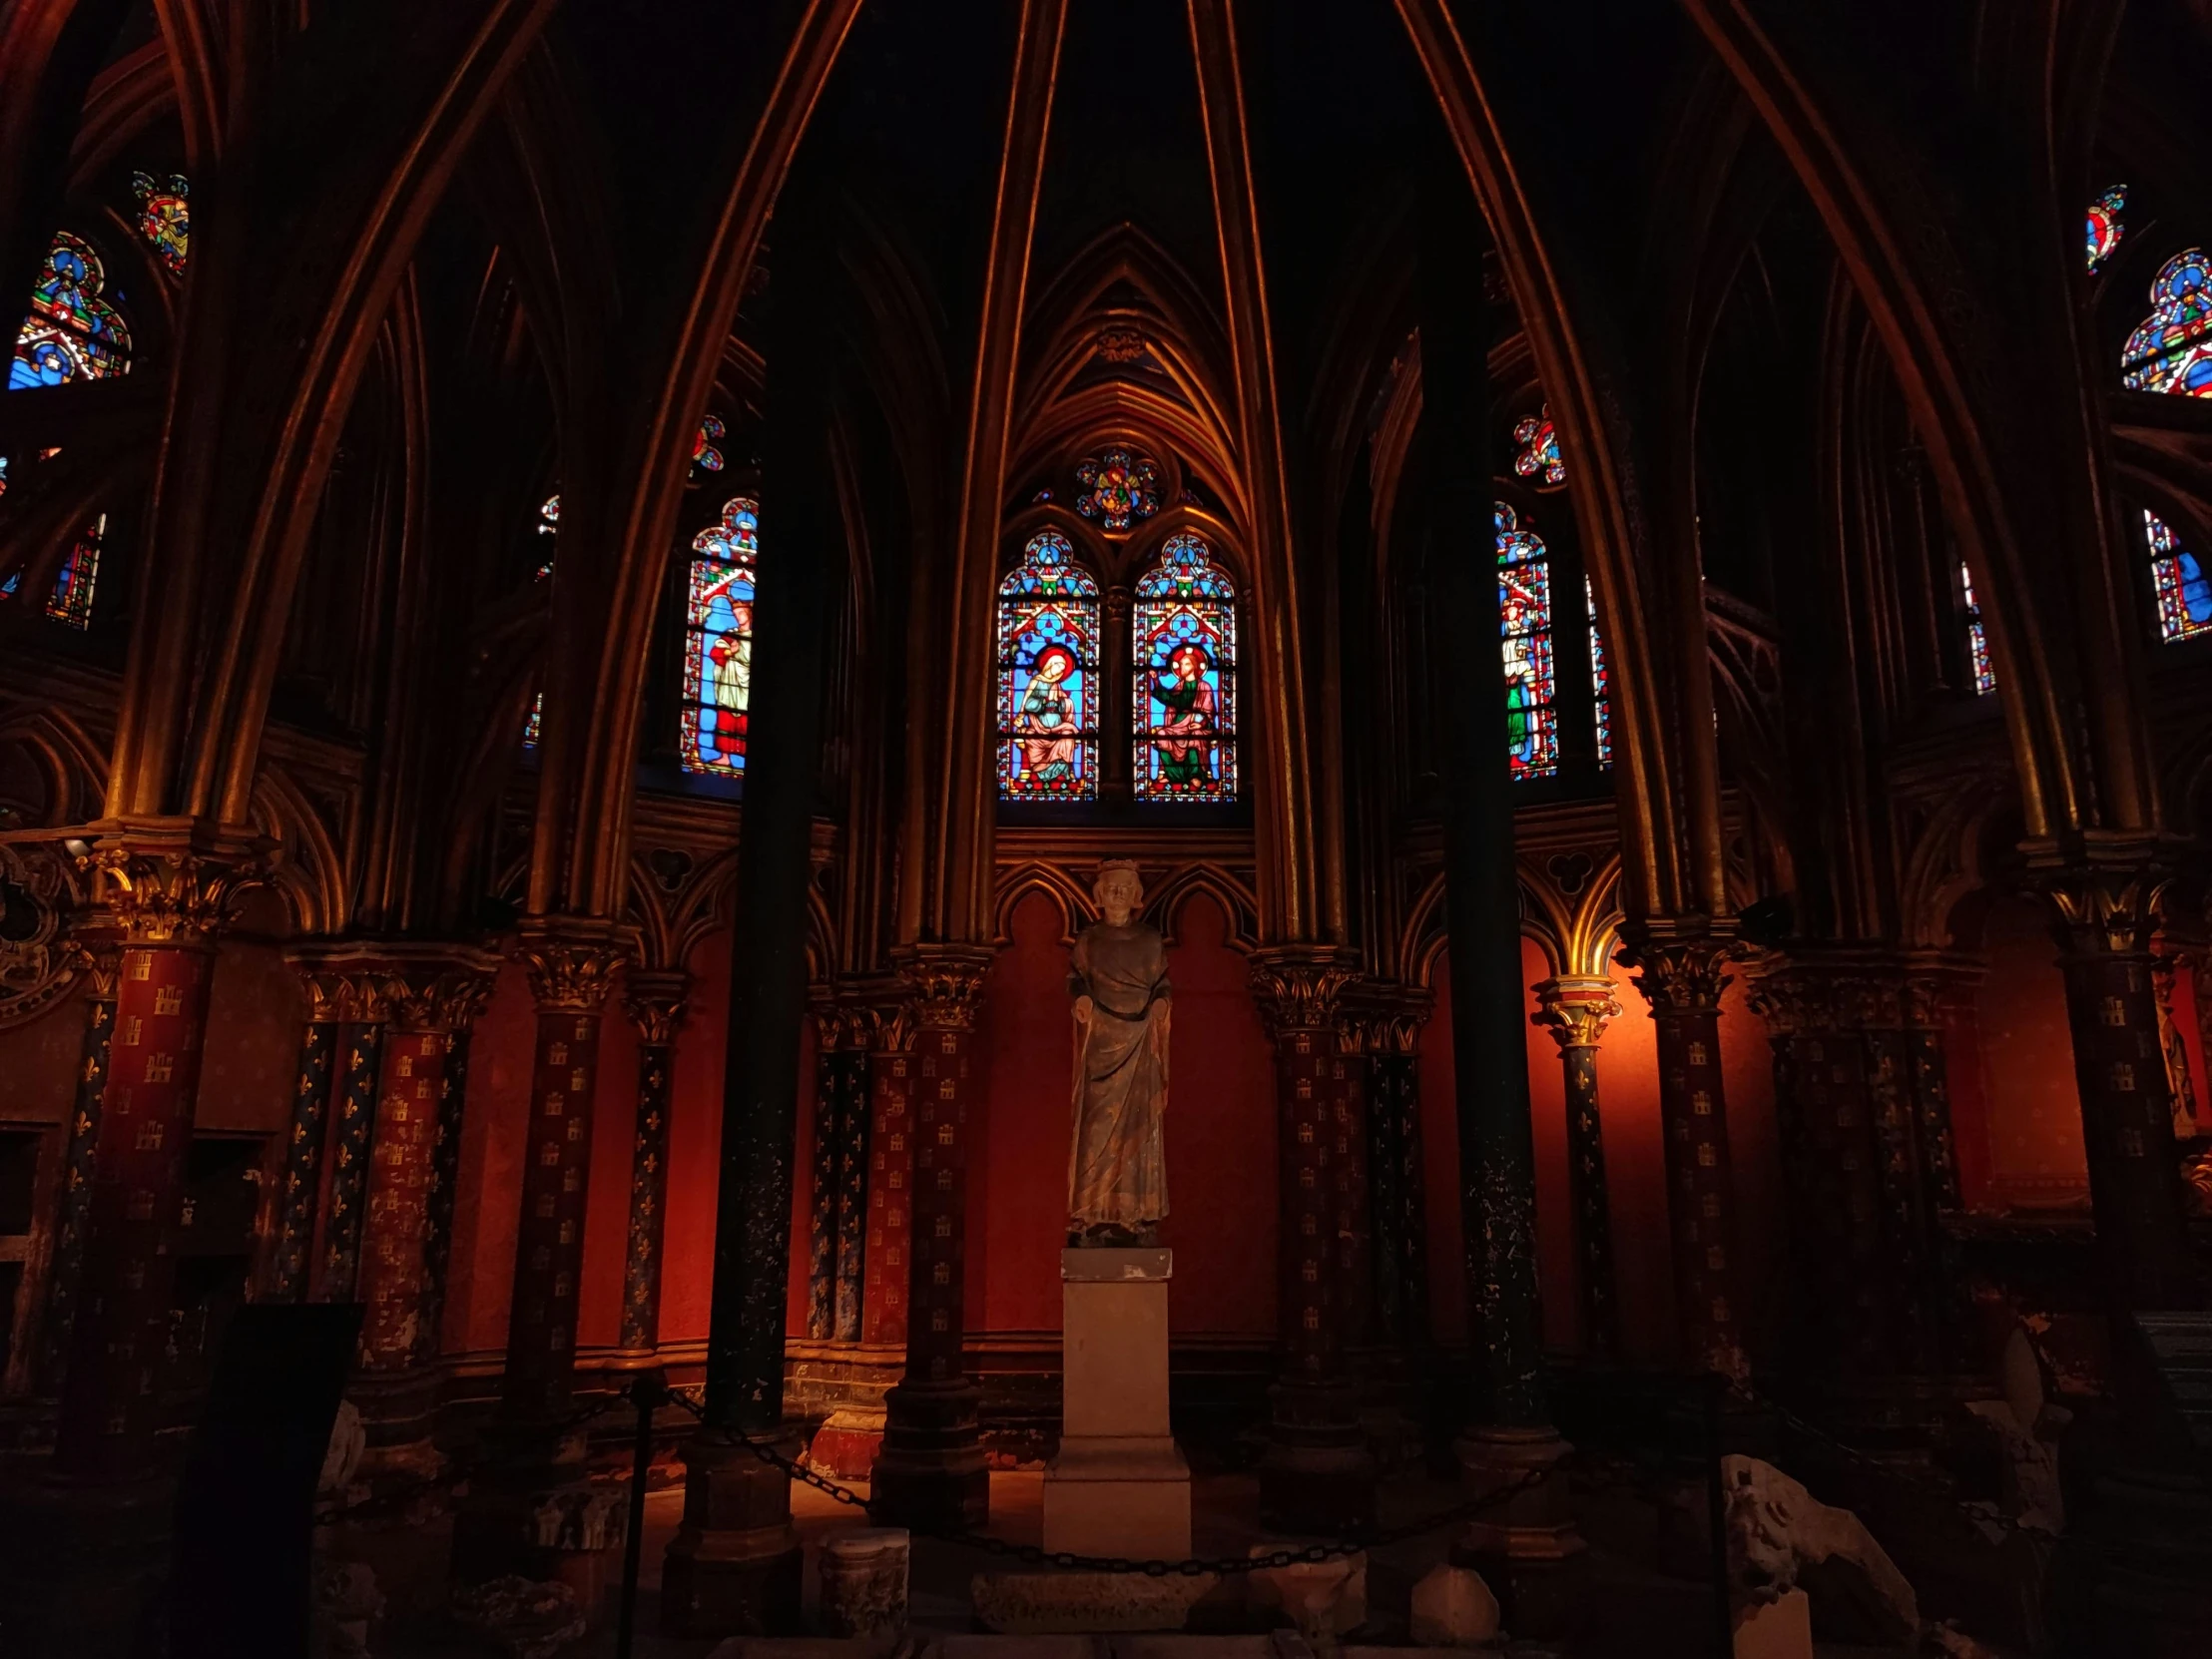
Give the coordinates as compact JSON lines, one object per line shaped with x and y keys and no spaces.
{"x":1379,"y":1017}
{"x":572,"y":960}
{"x":170,"y":881}
{"x":1575,"y":1010}
{"x":1678,"y":963}
{"x":946,"y":980}
{"x":656,"y":1000}
{"x":2103,"y":889}
{"x":421,"y":985}
{"x":1298,"y":986}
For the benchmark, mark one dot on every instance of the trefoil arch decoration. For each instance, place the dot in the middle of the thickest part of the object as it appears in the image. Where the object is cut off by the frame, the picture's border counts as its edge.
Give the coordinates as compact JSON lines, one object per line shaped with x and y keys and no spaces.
{"x":704,"y":456}
{"x":2178,"y":579}
{"x":2171,"y":349}
{"x":717,"y":640}
{"x":1048,"y":676}
{"x":2103,"y":230}
{"x":1538,"y":442}
{"x":165,"y":217}
{"x":1524,"y":631}
{"x":72,"y":333}
{"x":1185,"y":678}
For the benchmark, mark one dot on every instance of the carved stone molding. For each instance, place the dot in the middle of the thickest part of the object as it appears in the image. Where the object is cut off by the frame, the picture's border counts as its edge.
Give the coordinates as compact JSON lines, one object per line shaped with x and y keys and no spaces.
{"x":41,"y":957}
{"x":1299,"y":988}
{"x":572,"y":961}
{"x":1678,"y":971}
{"x":947,"y":982}
{"x":416,"y":985}
{"x":171,"y":884}
{"x":1575,"y":1010}
{"x":2103,"y":895}
{"x":655,"y":1003}
{"x":1375,"y":1017}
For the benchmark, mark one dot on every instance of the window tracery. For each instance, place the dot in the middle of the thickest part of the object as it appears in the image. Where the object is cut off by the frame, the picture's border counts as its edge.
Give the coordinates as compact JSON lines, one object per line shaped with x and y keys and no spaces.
{"x":718,"y":642}
{"x":2171,"y":349}
{"x":2179,"y":580}
{"x":72,"y":333}
{"x":2105,"y":227}
{"x":1186,"y":677}
{"x":1539,"y":456}
{"x":165,"y":217}
{"x":1048,"y":676}
{"x":1119,"y":486}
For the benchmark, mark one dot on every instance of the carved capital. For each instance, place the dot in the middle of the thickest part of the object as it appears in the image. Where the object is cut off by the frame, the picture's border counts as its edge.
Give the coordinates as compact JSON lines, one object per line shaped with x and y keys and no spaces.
{"x":1299,"y":988}
{"x":947,"y":982}
{"x":439,"y":989}
{"x":170,"y":882}
{"x":2103,"y":894}
{"x":1380,"y":1018}
{"x":571,"y":961}
{"x":1575,"y":1010}
{"x":354,"y":996}
{"x":1679,"y":968}
{"x":654,"y":1002}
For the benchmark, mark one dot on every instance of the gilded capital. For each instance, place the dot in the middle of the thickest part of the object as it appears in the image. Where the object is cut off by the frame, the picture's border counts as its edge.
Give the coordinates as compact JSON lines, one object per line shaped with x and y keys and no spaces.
{"x":656,"y":1000}
{"x":1575,"y":1010}
{"x":1380,"y":1018}
{"x":571,"y":960}
{"x":947,"y":982}
{"x":1678,"y":970}
{"x":170,"y":883}
{"x":1299,"y":988}
{"x":2103,"y":895}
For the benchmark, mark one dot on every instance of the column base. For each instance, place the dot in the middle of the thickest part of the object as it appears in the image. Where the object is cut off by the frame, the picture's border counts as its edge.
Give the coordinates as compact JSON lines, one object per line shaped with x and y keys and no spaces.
{"x":733,"y":1567}
{"x":82,"y":1568}
{"x":1318,"y":1474}
{"x":531,"y":1512}
{"x":846,"y":1446}
{"x":931,"y":1475}
{"x":1527,"y":1548}
{"x":398,"y":1414}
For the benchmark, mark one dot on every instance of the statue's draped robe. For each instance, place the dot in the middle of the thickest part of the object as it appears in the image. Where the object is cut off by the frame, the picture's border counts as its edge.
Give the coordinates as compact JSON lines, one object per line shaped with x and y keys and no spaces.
{"x":1117,"y":1165}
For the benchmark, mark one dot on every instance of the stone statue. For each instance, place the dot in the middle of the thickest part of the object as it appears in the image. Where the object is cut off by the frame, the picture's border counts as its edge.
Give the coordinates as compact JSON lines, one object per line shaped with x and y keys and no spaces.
{"x":1117,"y":1165}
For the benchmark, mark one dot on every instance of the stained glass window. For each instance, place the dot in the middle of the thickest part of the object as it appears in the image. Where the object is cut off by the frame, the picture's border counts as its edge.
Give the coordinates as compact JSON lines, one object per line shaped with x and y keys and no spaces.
{"x":2184,"y":592}
{"x":705,"y":458}
{"x":1525,"y":628}
{"x":549,"y":525}
{"x":72,"y":333}
{"x":534,"y":727}
{"x":1978,"y":637}
{"x":1601,"y":683}
{"x":165,"y":217}
{"x":1118,"y":487}
{"x":2171,"y":350}
{"x":2104,"y":226}
{"x":1186,"y":677}
{"x":717,"y":646}
{"x":1540,"y":449}
{"x":71,"y":600}
{"x":1047,"y":676}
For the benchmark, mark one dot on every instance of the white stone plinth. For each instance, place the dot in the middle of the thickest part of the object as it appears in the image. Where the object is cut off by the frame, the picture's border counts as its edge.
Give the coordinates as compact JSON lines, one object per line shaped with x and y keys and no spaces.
{"x":1118,"y":1486}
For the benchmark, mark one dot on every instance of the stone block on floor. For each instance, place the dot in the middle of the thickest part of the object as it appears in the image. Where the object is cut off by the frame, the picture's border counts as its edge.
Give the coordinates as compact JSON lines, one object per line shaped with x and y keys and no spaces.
{"x":1070,"y":1603}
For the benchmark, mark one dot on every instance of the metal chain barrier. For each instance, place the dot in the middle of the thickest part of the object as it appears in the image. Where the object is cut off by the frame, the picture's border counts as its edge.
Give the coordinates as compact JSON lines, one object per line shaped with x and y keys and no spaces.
{"x":1192,"y":1568}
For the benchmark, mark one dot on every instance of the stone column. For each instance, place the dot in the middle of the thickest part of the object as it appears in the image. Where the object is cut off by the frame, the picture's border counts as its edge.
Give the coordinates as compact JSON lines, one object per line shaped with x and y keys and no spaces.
{"x":1317,"y":1475}
{"x":445,"y":1171}
{"x":655,"y":1003}
{"x":169,"y":893}
{"x":432,"y":994}
{"x":358,"y":1067}
{"x":1679,"y":974}
{"x":2102,"y":903}
{"x":530,"y":1458}
{"x":1117,"y":785}
{"x":836,"y":1217}
{"x":930,"y":1470}
{"x":1576,"y":1010}
{"x":74,"y":1207}
{"x":1395,"y":1205}
{"x":300,"y":1193}
{"x":890,"y":1179}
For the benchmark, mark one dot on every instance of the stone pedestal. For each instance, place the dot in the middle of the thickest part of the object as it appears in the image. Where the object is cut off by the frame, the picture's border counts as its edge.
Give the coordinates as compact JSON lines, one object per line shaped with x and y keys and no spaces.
{"x":733,"y":1567}
{"x":1118,"y":1485}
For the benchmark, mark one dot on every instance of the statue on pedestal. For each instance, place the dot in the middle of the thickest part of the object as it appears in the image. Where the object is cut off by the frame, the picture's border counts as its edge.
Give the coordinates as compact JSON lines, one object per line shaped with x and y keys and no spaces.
{"x":1117,"y":1163}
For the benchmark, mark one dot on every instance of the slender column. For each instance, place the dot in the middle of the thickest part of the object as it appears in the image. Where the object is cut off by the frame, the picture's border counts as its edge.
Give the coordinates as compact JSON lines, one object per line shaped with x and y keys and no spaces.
{"x":655,"y":1003}
{"x":1576,"y":1010}
{"x":1317,"y":1474}
{"x":831,"y":1069}
{"x":1679,"y":974}
{"x":1524,"y":1543}
{"x":358,"y":1063}
{"x":445,"y":1171}
{"x":930,"y":1470}
{"x":74,"y":1212}
{"x":1392,"y":1033}
{"x":890,"y":1179}
{"x":570,"y":964}
{"x":298,"y":1199}
{"x":851,"y":1176}
{"x":169,"y":895}
{"x":2102,"y":906}
{"x":1116,"y":785}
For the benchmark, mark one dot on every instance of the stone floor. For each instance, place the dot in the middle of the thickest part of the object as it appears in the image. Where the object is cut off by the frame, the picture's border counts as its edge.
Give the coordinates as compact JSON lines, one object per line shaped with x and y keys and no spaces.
{"x":1634,"y":1613}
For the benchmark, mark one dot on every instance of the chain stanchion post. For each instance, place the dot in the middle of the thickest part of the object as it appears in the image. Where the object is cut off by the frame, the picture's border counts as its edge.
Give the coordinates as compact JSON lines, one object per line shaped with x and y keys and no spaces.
{"x":647,"y":1391}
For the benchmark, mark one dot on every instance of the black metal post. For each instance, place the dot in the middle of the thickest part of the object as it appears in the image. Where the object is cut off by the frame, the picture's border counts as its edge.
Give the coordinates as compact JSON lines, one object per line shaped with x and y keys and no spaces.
{"x":647,"y":1391}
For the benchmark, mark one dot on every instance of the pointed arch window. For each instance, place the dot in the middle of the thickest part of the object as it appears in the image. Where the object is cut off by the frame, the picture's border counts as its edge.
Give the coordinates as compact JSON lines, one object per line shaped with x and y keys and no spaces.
{"x":165,"y":217}
{"x":2171,"y":349}
{"x":1524,"y":630}
{"x":2178,"y":578}
{"x":1978,"y":635}
{"x":1602,"y":680}
{"x":717,"y":640}
{"x":1186,"y":677}
{"x":2104,"y":230}
{"x":1048,"y":676}
{"x":72,"y":333}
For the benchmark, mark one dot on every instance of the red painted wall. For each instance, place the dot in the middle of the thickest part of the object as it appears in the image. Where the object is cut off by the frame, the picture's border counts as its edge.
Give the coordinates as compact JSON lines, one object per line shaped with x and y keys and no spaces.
{"x":488,"y":1206}
{"x":2033,"y":1114}
{"x":695,"y":1146}
{"x":254,"y":1009}
{"x":607,"y":1196}
{"x":37,"y":1064}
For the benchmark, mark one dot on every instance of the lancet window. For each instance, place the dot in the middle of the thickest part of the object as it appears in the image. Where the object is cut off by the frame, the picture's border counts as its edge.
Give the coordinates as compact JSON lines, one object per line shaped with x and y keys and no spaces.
{"x":717,"y":640}
{"x":1978,"y":637}
{"x":2171,"y":349}
{"x":1185,"y":677}
{"x":1601,"y":682}
{"x":2178,"y":578}
{"x":1525,"y":628}
{"x":72,"y":333}
{"x":1048,"y":676}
